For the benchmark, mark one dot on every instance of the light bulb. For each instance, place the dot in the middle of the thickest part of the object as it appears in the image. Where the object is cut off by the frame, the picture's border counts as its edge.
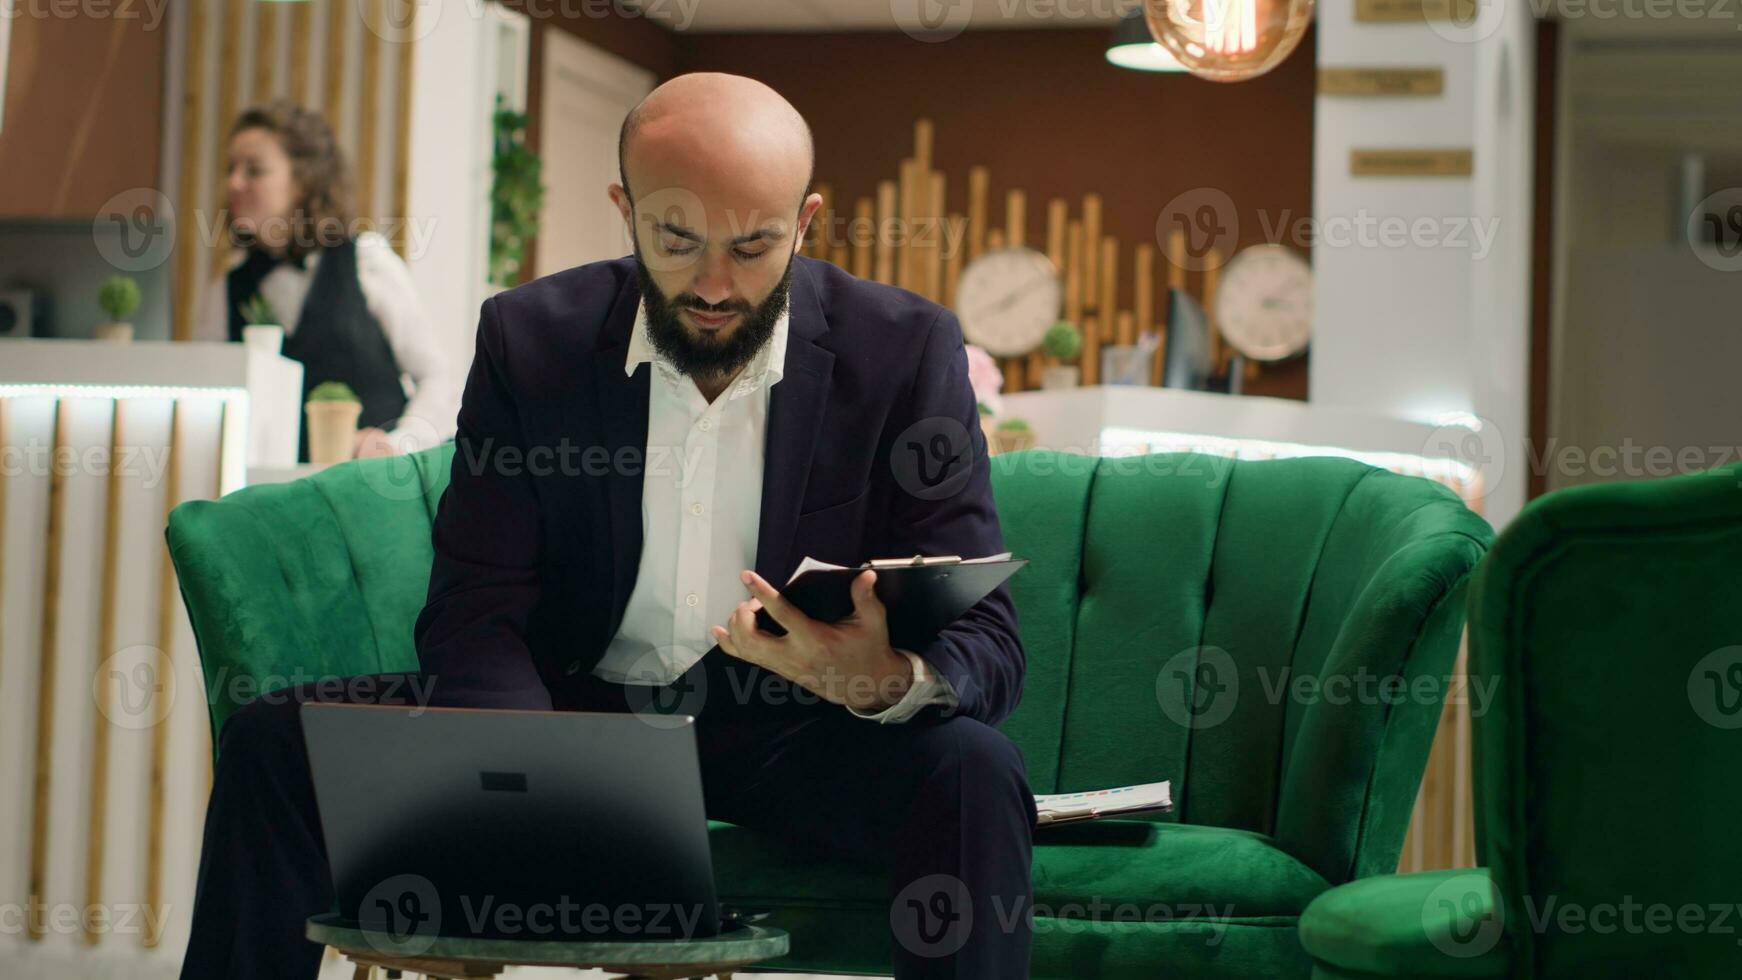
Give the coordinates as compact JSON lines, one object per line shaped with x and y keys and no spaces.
{"x":1228,"y":40}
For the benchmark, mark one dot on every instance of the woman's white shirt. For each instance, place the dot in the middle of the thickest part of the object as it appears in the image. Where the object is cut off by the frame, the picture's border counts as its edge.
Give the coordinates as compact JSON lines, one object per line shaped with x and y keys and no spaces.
{"x":391,"y":296}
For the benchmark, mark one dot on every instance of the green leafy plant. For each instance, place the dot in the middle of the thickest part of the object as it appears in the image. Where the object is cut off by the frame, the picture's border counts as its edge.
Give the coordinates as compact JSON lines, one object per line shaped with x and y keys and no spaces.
{"x":1063,"y":340}
{"x":516,"y":194}
{"x":985,"y":409}
{"x":119,"y":297}
{"x":258,"y":312}
{"x":332,"y":391}
{"x":1013,"y":425}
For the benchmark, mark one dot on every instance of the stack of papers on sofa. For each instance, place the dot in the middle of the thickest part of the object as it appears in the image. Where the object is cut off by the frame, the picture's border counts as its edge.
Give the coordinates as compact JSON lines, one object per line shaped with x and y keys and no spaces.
{"x":1071,"y":807}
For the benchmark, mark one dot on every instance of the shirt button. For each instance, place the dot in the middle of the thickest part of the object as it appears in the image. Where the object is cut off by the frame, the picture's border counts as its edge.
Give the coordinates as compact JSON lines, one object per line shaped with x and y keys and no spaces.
{"x":691,"y":599}
{"x":706,"y":424}
{"x":696,"y":509}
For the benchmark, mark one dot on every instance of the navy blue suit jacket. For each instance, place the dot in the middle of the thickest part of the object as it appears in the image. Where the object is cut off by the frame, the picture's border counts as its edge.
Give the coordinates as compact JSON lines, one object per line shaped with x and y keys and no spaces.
{"x":538,"y":536}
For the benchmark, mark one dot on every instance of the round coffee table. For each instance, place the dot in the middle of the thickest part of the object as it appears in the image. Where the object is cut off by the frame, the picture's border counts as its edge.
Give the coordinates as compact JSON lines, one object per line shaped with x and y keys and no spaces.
{"x":462,"y":959}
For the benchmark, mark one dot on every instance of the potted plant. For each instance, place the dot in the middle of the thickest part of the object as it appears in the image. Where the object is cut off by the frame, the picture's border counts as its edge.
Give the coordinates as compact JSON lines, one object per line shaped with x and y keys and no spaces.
{"x":1063,"y":342}
{"x":332,"y":409}
{"x":262,"y":330}
{"x":516,"y":195}
{"x":1012,"y":435}
{"x":119,"y":297}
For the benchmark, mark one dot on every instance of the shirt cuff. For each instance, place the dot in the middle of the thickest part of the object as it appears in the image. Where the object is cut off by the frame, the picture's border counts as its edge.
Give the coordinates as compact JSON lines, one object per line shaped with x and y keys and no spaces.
{"x":926,"y":688}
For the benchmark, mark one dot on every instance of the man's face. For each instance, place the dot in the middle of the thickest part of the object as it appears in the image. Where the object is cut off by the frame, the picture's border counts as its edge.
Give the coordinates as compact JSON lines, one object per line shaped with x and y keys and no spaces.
{"x":713,"y":247}
{"x":706,"y":339}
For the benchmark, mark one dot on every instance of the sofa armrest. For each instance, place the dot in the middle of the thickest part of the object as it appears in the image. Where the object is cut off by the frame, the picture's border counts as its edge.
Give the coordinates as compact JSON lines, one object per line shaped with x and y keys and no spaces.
{"x":1432,"y":924}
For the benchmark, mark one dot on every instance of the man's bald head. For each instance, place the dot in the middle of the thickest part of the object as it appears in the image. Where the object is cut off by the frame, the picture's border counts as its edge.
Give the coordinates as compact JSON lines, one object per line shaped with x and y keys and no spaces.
{"x":729,"y":125}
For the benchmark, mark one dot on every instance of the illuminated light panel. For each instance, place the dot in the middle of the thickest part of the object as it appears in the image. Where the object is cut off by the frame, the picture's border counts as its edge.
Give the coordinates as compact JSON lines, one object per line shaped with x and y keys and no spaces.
{"x":1456,"y":474}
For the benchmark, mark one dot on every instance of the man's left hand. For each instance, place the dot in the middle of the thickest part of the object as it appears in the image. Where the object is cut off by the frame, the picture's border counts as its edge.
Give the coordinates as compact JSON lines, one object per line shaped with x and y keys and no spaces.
{"x":847,"y":662}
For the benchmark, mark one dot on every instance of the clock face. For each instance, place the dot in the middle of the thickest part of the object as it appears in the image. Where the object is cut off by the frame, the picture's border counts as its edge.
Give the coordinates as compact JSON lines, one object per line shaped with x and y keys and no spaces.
{"x":1264,"y":305}
{"x":1007,"y":299}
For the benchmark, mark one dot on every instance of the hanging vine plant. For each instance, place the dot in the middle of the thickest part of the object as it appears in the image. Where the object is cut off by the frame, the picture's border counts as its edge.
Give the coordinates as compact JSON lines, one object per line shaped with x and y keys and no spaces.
{"x":516,"y":194}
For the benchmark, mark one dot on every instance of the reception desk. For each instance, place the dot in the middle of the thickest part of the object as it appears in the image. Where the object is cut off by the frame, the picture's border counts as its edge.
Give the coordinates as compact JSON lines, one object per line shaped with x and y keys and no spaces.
{"x":103,"y":726}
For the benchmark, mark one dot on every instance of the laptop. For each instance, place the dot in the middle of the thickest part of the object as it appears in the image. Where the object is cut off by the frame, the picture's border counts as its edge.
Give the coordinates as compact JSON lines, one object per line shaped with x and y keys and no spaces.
{"x":528,"y":825}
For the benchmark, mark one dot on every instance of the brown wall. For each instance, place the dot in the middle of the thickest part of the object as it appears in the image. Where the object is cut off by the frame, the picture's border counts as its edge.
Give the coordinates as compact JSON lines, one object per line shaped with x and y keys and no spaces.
{"x":1046,"y":113}
{"x":84,"y":112}
{"x":1042,"y":109}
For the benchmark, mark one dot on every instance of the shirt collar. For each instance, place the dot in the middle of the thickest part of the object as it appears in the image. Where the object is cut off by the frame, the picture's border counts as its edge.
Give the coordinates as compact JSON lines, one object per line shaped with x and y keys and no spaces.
{"x":767,"y":367}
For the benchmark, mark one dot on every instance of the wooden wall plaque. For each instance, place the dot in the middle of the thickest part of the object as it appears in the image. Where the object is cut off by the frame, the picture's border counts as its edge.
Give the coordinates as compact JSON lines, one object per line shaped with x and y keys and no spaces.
{"x":1450,"y":162}
{"x":1382,"y":81}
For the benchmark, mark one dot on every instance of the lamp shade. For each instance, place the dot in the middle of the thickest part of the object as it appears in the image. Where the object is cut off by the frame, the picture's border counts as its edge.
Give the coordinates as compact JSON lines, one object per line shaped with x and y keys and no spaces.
{"x":1133,"y":46}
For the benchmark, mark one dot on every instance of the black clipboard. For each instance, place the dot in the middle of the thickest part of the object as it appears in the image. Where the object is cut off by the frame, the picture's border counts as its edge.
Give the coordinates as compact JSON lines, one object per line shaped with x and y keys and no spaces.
{"x":922,"y":594}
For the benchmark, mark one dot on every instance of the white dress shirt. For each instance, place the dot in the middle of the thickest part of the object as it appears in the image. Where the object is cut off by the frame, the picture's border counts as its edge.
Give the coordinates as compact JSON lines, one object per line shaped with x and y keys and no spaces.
{"x":701,"y":507}
{"x":390,"y":294}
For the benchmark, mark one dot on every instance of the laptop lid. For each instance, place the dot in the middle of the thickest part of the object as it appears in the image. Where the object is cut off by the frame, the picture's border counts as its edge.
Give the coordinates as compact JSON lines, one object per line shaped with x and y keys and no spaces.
{"x":516,"y":825}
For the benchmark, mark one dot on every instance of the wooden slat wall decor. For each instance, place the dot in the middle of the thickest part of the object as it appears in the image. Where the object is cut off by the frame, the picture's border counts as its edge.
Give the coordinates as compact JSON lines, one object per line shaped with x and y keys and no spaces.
{"x":99,"y":775}
{"x":36,"y":926}
{"x":918,"y":243}
{"x":168,"y":597}
{"x":234,"y":47}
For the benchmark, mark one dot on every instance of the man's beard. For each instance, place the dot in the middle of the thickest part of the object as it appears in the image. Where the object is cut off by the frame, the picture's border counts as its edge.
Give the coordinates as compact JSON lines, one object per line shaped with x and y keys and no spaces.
{"x":705,"y":355}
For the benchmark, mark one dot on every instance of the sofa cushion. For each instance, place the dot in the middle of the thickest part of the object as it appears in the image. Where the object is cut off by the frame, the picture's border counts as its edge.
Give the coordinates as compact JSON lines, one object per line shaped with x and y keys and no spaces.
{"x":1142,"y":870}
{"x":1433,"y":924}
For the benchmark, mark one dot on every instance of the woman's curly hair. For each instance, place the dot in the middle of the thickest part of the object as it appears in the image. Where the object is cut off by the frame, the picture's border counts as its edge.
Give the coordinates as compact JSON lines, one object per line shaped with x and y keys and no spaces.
{"x":324,"y":216}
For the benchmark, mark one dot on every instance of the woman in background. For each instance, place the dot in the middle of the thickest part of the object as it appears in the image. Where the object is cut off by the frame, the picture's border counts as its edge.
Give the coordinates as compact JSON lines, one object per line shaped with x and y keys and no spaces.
{"x":347,"y":303}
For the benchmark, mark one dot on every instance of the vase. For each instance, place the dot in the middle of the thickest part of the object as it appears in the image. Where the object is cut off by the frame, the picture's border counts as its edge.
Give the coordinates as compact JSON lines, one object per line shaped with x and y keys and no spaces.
{"x":1059,"y":376}
{"x":332,"y":431}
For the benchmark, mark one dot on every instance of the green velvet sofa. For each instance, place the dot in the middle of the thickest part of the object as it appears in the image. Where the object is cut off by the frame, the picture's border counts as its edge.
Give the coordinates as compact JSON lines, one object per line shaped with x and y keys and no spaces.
{"x":1607,"y":625}
{"x":1272,"y":636}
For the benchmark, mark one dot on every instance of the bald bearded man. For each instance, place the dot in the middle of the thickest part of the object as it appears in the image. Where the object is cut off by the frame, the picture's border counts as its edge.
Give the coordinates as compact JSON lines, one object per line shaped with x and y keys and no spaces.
{"x":645,"y":446}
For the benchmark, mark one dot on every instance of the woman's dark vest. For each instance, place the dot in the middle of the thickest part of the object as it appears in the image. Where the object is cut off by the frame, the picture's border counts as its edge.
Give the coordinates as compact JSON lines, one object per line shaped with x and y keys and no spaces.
{"x":336,"y":337}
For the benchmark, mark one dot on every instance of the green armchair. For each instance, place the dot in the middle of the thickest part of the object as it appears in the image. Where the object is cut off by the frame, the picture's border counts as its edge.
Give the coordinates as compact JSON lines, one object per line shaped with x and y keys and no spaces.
{"x":1275,"y":637}
{"x":1606,"y":682}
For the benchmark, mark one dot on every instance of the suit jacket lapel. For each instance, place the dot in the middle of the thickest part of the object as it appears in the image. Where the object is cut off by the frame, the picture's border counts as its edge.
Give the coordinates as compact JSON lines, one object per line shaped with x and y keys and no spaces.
{"x":795,"y":415}
{"x":623,"y":419}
